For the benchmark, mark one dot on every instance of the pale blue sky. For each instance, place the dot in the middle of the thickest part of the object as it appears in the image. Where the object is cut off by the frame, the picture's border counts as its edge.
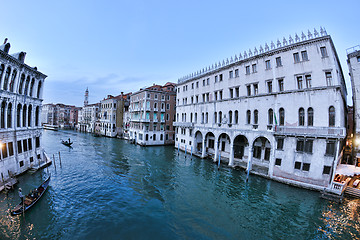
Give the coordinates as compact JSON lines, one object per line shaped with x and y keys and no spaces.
{"x":114,"y":46}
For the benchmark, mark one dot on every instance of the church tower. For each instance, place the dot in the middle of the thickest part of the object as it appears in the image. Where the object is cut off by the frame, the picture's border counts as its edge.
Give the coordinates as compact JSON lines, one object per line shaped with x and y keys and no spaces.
{"x":86,"y":101}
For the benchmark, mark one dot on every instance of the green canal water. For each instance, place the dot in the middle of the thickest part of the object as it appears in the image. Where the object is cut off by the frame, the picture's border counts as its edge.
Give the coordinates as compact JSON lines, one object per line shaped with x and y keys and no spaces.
{"x":110,"y":189}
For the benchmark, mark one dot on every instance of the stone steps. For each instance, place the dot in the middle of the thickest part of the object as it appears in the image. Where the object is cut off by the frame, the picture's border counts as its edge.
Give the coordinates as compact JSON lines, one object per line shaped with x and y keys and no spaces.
{"x":354,"y":192}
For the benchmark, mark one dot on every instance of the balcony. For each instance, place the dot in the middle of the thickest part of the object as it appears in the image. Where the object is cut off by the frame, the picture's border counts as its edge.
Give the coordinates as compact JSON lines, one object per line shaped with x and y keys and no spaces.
{"x":183,"y":124}
{"x":334,"y":132}
{"x":163,"y":110}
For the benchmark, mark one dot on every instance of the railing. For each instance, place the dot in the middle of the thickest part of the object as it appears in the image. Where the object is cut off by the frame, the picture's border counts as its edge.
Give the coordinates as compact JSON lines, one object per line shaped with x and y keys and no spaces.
{"x":353,"y":49}
{"x":183,"y":124}
{"x":312,"y":131}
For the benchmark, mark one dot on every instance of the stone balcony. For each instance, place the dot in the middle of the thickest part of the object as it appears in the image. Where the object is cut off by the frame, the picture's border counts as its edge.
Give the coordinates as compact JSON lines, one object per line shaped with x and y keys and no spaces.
{"x":332,"y":132}
{"x":183,"y":124}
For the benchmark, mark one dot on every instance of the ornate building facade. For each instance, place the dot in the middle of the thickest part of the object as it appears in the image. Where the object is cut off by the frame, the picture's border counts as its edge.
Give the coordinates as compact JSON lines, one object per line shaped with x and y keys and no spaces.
{"x":21,"y":89}
{"x":152,"y":112}
{"x":277,"y":111}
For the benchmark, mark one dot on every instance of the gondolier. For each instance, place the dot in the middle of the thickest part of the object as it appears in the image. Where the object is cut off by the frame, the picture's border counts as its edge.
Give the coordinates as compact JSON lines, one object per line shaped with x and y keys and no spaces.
{"x":21,"y":195}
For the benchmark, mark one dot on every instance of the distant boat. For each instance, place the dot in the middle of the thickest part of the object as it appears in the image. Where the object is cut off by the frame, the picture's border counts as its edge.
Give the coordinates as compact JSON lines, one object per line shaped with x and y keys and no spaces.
{"x":96,"y":135}
{"x":30,"y":200}
{"x":51,"y":127}
{"x":66,"y":143}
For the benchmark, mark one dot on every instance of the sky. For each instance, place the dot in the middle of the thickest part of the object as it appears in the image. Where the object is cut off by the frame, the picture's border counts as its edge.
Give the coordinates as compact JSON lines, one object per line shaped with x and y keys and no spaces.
{"x":114,"y":46}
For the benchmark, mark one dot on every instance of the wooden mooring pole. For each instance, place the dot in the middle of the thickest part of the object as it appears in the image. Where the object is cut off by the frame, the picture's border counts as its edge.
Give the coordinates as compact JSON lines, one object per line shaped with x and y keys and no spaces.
{"x":54,"y":161}
{"x":60,"y":160}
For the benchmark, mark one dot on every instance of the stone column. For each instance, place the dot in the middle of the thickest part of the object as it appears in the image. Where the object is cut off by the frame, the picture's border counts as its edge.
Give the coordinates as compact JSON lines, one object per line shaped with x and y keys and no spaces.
{"x":216,"y":151}
{"x":249,"y":164}
{"x":3,"y":76}
{"x":203,"y":152}
{"x":231,"y":157}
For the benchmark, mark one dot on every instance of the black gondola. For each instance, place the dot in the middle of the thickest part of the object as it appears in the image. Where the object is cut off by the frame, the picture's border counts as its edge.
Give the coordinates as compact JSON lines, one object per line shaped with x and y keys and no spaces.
{"x":31,"y":199}
{"x":66,"y":143}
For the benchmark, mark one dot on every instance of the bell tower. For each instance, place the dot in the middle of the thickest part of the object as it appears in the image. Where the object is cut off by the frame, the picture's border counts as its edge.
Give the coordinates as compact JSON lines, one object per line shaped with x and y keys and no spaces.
{"x":86,"y":101}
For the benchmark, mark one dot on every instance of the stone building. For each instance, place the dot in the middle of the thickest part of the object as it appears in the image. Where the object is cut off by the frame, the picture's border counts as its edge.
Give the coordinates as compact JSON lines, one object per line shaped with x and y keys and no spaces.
{"x":88,"y":116}
{"x":278,"y":110}
{"x":152,"y":112}
{"x":21,"y":89}
{"x":62,"y":115}
{"x":112,"y":114}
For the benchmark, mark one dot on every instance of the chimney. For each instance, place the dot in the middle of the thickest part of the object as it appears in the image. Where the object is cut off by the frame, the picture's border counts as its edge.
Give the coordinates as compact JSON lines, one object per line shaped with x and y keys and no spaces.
{"x":5,"y":41}
{"x":122,"y":93}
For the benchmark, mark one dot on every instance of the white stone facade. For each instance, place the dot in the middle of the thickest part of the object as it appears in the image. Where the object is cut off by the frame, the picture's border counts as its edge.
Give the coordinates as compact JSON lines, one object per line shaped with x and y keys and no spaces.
{"x":279,"y":112}
{"x":88,"y":116}
{"x":21,"y":88}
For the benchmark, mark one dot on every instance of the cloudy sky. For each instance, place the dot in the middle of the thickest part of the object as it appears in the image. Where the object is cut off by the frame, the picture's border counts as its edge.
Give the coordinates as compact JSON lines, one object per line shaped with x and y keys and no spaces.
{"x":112,"y":46}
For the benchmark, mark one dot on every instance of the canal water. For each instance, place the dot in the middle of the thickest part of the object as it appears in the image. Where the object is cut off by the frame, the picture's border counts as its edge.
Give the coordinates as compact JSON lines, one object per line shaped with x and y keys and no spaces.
{"x":111,"y":189}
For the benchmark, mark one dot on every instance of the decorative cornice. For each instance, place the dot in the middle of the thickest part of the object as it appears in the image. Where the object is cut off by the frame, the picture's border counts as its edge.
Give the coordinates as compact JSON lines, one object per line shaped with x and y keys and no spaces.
{"x":266,"y":51}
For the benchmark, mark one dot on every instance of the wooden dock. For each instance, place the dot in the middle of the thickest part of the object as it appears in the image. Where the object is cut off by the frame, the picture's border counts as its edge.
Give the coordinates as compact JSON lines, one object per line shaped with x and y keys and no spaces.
{"x":8,"y":184}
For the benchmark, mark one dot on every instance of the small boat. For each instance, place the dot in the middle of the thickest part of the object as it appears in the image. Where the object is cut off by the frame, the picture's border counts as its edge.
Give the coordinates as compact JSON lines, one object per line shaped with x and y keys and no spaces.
{"x":66,"y":143}
{"x":31,"y":199}
{"x":51,"y":127}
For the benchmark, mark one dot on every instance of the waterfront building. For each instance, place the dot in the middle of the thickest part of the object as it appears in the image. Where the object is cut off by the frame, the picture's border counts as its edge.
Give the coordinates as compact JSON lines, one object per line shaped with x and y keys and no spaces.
{"x":21,"y":89}
{"x":353,"y":61}
{"x":112,"y":114}
{"x":74,"y":116}
{"x":88,"y":116}
{"x":278,"y":110}
{"x":152,"y":112}
{"x":59,"y":114}
{"x":49,"y":114}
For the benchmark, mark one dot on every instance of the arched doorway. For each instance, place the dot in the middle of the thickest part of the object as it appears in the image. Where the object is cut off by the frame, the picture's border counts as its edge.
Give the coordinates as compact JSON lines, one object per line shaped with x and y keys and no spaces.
{"x":224,"y":142}
{"x":261,"y":149}
{"x":240,"y":145}
{"x":210,"y":143}
{"x":198,"y":141}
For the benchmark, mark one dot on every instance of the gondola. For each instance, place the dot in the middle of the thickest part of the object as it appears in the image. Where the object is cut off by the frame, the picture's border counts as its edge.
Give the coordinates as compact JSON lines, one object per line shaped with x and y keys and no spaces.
{"x":31,"y":199}
{"x":66,"y":143}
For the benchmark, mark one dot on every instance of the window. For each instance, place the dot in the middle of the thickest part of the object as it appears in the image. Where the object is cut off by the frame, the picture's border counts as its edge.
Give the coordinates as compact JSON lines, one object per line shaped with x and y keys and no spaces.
{"x":220,"y":117}
{"x":236,"y":72}
{"x":270,"y":117}
{"x":254,"y":68}
{"x":257,"y":152}
{"x":300,"y":145}
{"x":278,"y":62}
{"x":304,"y":56}
{"x":326,"y":169}
{"x":197,"y":84}
{"x":280,"y":144}
{"x":303,"y":145}
{"x":281,"y":85}
{"x":281,"y":117}
{"x":278,"y":162}
{"x":323,"y":52}
{"x":330,"y":148}
{"x":231,"y":74}
{"x":358,"y":59}
{"x":4,"y":151}
{"x":236,"y":117}
{"x":256,"y":89}
{"x":231,"y":93}
{"x":331,"y":116}
{"x":310,"y":116}
{"x":267,"y":65}
{"x":299,"y":82}
{"x":207,"y":81}
{"x":230,"y":117}
{"x":256,"y":117}
{"x":248,"y":87}
{"x":308,"y":81}
{"x":248,"y":116}
{"x":269,"y":86}
{"x":247,"y":70}
{"x":296,"y":57}
{"x":19,"y":146}
{"x":192,"y":86}
{"x":11,"y":149}
{"x":220,"y":95}
{"x":204,"y":82}
{"x":37,"y":142}
{"x":220,"y":77}
{"x":215,"y":96}
{"x":25,"y":145}
{"x":306,"y":167}
{"x":215,"y":117}
{"x":216,"y":78}
{"x":301,"y":117}
{"x":309,"y":145}
{"x":297,"y":165}
{"x":21,"y":163}
{"x":328,"y":78}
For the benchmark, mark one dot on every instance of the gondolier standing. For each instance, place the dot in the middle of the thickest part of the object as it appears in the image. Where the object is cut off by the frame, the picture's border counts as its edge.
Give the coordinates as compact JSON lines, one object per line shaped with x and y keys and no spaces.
{"x":21,"y":195}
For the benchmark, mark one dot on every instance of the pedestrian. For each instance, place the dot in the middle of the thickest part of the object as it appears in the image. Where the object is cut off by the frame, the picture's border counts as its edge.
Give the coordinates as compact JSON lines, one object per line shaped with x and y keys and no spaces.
{"x":21,"y":195}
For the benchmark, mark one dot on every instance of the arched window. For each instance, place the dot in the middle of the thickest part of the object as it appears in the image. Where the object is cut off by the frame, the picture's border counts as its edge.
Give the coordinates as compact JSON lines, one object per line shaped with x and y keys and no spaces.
{"x":24,"y":116}
{"x":220,"y":117}
{"x":12,"y":83}
{"x":29,"y":115}
{"x":191,"y":117}
{"x":230,"y":117}
{"x":206,"y":117}
{"x":256,"y":117}
{"x":9,"y":115}
{"x":236,"y":117}
{"x":270,"y":117}
{"x":301,"y":117}
{"x":6,"y":79}
{"x":281,"y":117}
{"x":18,"y":116}
{"x":38,"y":90}
{"x":22,"y":79}
{"x":195,"y":117}
{"x":161,"y":137}
{"x":310,"y":116}
{"x":2,"y":68}
{"x":27,"y":85}
{"x":248,"y":116}
{"x":215,"y":117}
{"x":31,"y":87}
{"x":331,"y":116}
{"x":154,"y":137}
{"x":37,"y":117}
{"x":202,"y":117}
{"x":3,"y":106}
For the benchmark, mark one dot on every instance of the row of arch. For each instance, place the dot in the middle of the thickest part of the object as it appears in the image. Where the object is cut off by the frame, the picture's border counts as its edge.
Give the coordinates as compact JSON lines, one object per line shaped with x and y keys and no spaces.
{"x":8,"y":79}
{"x":24,"y":115}
{"x":233,"y":117}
